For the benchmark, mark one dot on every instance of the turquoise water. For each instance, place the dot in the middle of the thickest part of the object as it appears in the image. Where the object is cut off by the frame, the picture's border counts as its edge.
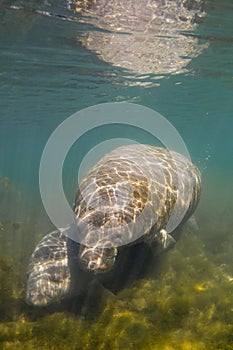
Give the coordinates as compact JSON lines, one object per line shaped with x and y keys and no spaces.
{"x":46,"y":75}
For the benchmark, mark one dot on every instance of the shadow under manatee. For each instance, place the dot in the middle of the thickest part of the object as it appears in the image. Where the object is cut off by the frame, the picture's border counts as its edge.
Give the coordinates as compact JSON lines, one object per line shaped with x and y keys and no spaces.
{"x":90,"y":292}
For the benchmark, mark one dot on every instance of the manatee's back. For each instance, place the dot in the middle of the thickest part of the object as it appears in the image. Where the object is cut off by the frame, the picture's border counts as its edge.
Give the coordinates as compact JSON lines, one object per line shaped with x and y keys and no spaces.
{"x":132,"y":189}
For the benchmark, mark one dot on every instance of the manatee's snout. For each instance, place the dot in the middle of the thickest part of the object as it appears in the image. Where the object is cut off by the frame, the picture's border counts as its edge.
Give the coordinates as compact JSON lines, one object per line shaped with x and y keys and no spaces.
{"x":96,"y":260}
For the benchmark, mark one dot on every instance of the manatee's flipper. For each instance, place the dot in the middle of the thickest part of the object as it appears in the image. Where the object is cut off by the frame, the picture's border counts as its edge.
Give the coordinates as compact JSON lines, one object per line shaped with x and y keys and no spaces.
{"x":192,"y":224}
{"x":165,"y":240}
{"x":48,"y":277}
{"x":162,"y":242}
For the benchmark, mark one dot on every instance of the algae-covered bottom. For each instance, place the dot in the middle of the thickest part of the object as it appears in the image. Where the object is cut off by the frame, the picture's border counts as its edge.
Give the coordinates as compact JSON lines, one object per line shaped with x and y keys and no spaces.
{"x":183,"y":301}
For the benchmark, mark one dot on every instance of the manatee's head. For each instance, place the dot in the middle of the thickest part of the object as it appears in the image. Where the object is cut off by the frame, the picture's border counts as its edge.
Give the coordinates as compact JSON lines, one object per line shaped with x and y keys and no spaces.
{"x":97,"y":259}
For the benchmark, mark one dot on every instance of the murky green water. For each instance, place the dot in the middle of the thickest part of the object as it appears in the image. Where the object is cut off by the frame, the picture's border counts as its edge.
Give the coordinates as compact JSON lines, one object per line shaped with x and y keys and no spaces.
{"x":184,"y":300}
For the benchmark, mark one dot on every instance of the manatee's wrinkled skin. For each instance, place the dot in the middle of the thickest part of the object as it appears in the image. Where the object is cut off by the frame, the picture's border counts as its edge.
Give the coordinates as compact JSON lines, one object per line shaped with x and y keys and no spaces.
{"x":142,"y":36}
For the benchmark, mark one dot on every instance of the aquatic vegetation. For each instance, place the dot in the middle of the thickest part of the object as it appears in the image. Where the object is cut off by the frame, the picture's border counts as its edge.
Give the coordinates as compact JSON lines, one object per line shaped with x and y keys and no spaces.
{"x":187,"y":304}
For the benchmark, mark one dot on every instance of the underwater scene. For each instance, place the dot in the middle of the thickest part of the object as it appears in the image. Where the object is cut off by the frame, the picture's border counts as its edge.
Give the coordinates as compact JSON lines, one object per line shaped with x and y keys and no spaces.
{"x":60,"y":57}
